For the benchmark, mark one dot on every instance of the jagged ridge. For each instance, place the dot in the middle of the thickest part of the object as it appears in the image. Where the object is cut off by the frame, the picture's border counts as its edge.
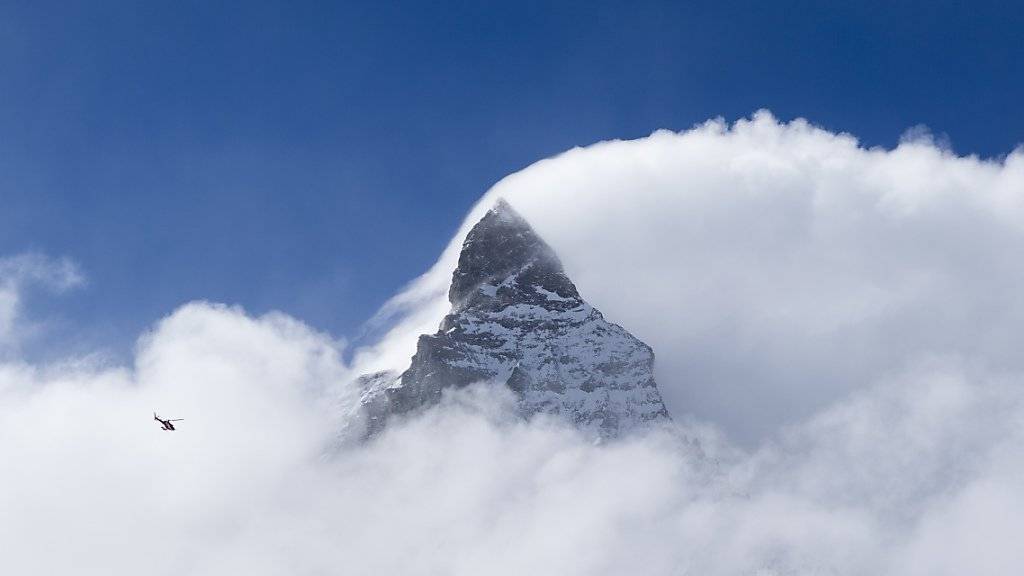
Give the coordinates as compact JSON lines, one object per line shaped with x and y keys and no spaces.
{"x":517,"y":319}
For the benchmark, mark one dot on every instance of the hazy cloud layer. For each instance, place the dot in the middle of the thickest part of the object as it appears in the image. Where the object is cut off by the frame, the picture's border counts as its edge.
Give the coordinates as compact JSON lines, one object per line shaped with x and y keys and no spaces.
{"x":848,"y":314}
{"x":919,"y":474}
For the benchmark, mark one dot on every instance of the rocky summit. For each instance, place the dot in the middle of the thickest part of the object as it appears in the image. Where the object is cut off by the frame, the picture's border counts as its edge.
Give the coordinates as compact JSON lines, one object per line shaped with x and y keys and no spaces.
{"x":518,"y":320}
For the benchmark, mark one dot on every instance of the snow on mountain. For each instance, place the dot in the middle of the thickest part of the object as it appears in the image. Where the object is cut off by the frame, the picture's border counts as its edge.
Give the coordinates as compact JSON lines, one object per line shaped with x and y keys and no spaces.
{"x":518,"y":320}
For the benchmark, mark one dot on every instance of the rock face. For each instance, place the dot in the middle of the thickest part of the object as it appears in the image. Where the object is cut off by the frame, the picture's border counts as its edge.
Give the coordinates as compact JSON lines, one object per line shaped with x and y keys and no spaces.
{"x":517,"y":319}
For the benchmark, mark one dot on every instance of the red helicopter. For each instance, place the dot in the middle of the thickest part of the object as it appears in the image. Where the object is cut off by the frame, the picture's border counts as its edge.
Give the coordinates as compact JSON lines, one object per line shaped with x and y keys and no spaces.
{"x":167,"y":423}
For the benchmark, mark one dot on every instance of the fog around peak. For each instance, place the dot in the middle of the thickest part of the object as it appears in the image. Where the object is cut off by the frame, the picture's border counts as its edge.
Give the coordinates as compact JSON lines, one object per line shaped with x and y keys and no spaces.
{"x":773,"y":267}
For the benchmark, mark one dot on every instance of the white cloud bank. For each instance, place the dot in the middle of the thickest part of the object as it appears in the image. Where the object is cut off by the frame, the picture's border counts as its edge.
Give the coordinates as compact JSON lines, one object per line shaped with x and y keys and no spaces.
{"x":922,"y":474}
{"x":909,"y":462}
{"x":773,"y":267}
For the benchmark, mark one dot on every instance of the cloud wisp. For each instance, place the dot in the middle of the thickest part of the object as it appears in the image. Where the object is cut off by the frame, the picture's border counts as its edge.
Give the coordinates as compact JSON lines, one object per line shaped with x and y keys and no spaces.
{"x":17,"y":273}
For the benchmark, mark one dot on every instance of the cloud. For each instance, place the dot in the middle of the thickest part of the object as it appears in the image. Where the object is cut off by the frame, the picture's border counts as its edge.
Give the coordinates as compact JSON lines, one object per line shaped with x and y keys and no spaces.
{"x":20,"y":272}
{"x":773,"y":267}
{"x":922,"y":134}
{"x":93,"y":486}
{"x":917,"y":473}
{"x":849,"y":315}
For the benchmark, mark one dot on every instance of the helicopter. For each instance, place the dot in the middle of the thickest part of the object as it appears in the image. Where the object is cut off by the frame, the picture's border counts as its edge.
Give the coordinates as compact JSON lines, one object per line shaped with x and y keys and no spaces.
{"x":167,"y":423}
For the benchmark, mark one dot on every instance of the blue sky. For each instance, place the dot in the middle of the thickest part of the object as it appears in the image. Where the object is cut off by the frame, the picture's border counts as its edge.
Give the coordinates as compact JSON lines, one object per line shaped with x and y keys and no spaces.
{"x":314,"y":158}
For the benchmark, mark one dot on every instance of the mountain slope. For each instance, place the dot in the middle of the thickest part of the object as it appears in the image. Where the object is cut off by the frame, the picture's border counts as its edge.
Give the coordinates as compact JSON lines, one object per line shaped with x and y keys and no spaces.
{"x":518,"y":320}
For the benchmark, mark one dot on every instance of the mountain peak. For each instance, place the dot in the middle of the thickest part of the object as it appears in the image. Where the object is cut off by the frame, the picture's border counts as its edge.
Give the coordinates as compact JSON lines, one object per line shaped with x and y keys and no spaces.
{"x":517,"y":320}
{"x":499,"y":246}
{"x":502,"y":209}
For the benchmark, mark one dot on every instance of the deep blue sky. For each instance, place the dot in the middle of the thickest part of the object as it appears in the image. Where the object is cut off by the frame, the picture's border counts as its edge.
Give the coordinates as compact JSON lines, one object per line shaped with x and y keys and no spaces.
{"x":313,"y":158}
